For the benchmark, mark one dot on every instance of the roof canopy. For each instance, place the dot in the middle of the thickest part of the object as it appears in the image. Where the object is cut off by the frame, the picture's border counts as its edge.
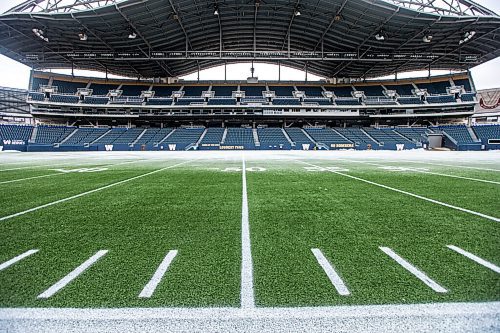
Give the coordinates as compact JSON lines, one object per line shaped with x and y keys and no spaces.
{"x":329,"y":38}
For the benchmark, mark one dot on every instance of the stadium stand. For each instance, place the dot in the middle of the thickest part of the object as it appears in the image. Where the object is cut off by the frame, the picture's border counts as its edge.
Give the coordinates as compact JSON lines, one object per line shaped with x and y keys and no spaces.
{"x":372,"y":91}
{"x":347,"y":101}
{"x":489,"y":135}
{"x":272,"y":138}
{"x":68,"y":87}
{"x":52,"y":134}
{"x":286,"y":101}
{"x":84,"y":136}
{"x":102,"y":89}
{"x":224,"y":91}
{"x":298,"y":137}
{"x":153,"y":136}
{"x":96,"y":100}
{"x":311,"y":91}
{"x":329,"y":137}
{"x":386,"y":137}
{"x":341,"y":91}
{"x":282,"y":91}
{"x":189,"y":101}
{"x":435,"y":88}
{"x":221,"y":101}
{"x":165,"y":91}
{"x":36,"y":96}
{"x":64,"y":99}
{"x":410,"y":100}
{"x":194,"y":91}
{"x":253,"y":91}
{"x":15,"y":132}
{"x":416,"y":134}
{"x":240,"y":137}
{"x":401,"y":89}
{"x":213,"y":137}
{"x":184,"y":138}
{"x":356,"y":135}
{"x":159,"y":101}
{"x":133,"y":90}
{"x":441,"y":99}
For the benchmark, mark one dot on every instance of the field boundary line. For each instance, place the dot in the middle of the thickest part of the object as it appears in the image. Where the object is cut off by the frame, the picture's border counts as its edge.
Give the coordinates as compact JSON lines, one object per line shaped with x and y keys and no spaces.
{"x":492,"y":218}
{"x":423,"y":171}
{"x":414,"y":270}
{"x":150,"y":287}
{"x":341,"y":311}
{"x":475,"y":258}
{"x":333,"y":276}
{"x":247,"y":296}
{"x":451,"y":165}
{"x":14,"y":260}
{"x":89,"y":192}
{"x":73,"y":274}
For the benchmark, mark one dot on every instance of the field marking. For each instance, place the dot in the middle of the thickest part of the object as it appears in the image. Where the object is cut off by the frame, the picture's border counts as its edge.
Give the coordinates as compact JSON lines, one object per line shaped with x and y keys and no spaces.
{"x":58,"y":173}
{"x":247,"y":296}
{"x":415,"y":271}
{"x":73,"y":275}
{"x":150,"y":287}
{"x":17,"y":258}
{"x":452,"y":165}
{"x":36,"y":166}
{"x":475,"y":258}
{"x":492,"y":218}
{"x":88,"y":192}
{"x":427,"y":172}
{"x":335,"y":279}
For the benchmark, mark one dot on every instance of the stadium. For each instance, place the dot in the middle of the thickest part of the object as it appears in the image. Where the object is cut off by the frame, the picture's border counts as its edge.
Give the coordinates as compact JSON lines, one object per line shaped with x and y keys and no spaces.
{"x":138,"y":197}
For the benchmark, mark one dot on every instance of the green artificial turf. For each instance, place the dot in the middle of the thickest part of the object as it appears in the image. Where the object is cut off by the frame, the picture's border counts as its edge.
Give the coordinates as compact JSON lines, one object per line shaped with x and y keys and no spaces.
{"x":195,"y":208}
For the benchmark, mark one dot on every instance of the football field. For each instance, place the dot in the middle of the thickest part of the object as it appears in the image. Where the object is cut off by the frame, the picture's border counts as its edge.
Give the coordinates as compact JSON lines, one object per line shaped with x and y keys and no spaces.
{"x":220,"y":236}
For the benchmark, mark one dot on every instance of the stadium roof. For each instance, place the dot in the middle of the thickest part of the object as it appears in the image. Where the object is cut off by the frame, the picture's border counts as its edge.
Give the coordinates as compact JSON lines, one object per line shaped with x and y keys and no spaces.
{"x":329,"y":38}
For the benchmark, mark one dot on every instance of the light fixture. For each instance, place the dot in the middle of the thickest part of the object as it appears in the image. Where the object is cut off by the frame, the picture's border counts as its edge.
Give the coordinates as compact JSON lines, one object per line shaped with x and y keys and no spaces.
{"x":467,"y":37}
{"x":380,"y":36}
{"x":297,"y":12}
{"x":39,"y":33}
{"x":83,"y":36}
{"x":132,"y":35}
{"x":427,"y":39}
{"x":216,"y":12}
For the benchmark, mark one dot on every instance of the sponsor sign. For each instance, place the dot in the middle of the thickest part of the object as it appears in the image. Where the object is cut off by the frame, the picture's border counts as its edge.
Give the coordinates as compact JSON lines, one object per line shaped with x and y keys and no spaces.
{"x":108,"y":147}
{"x":400,"y":146}
{"x":14,"y":142}
{"x":231,"y":147}
{"x":172,"y":146}
{"x":210,"y":144}
{"x":342,"y":145}
{"x":306,"y":146}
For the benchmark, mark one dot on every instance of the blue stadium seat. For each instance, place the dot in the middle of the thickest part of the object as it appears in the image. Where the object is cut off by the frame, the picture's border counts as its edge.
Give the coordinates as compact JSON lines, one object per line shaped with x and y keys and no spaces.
{"x":272,"y":138}
{"x":311,"y":91}
{"x":153,"y":136}
{"x":224,"y":91}
{"x":329,"y":137}
{"x":84,"y":136}
{"x":441,"y":99}
{"x":68,"y":87}
{"x":297,"y":136}
{"x":16,"y":132}
{"x":165,"y":91}
{"x":253,"y":91}
{"x":52,"y":134}
{"x":194,"y":91}
{"x":64,"y":99}
{"x":240,"y":137}
{"x":285,"y":91}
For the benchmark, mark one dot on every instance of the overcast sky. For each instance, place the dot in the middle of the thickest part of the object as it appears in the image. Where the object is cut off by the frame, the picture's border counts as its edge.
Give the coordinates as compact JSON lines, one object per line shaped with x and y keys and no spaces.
{"x":16,"y":75}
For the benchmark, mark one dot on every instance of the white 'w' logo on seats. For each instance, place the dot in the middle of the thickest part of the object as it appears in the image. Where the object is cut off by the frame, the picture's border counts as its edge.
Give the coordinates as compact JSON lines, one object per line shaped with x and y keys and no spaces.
{"x":108,"y":147}
{"x":172,"y":147}
{"x":400,"y":146}
{"x":305,"y":146}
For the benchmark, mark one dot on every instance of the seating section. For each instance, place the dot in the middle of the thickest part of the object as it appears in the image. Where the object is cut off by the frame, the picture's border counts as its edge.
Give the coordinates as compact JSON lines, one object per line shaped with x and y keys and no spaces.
{"x":37,"y":82}
{"x":15,"y":132}
{"x":435,"y":88}
{"x":68,"y":87}
{"x":272,"y":138}
{"x":84,"y":136}
{"x":253,"y":91}
{"x":469,"y":97}
{"x":459,"y":133}
{"x":327,"y":136}
{"x":153,"y":136}
{"x":441,"y":99}
{"x":355,"y":135}
{"x":188,"y":101}
{"x":194,"y":91}
{"x":159,"y":101}
{"x":297,"y":135}
{"x":111,"y":136}
{"x":136,"y":90}
{"x":311,"y":91}
{"x":240,"y":137}
{"x":487,"y":132}
{"x":465,"y":83}
{"x":184,"y":137}
{"x":410,"y":100}
{"x":224,"y":91}
{"x":347,"y":101}
{"x":418,"y":134}
{"x":165,"y":91}
{"x":386,"y":136}
{"x":286,"y":101}
{"x":102,"y":89}
{"x":285,"y":91}
{"x":401,"y":89}
{"x":34,"y":96}
{"x":373,"y":91}
{"x":379,"y":101}
{"x":96,"y":100}
{"x":318,"y":101}
{"x":221,"y":101}
{"x":52,"y":134}
{"x":64,"y":99}
{"x":213,"y":136}
{"x":341,"y":91}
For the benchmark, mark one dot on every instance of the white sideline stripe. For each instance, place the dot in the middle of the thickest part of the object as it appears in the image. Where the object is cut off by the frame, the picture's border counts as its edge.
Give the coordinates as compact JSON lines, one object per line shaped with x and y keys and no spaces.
{"x":455,"y":166}
{"x":16,"y":259}
{"x":88,"y":192}
{"x":37,"y":166}
{"x":492,"y":218}
{"x":247,"y":297}
{"x":415,"y":271}
{"x":475,"y":258}
{"x":428,"y":172}
{"x":73,"y":275}
{"x":158,"y":275}
{"x":335,"y":279}
{"x":437,"y":310}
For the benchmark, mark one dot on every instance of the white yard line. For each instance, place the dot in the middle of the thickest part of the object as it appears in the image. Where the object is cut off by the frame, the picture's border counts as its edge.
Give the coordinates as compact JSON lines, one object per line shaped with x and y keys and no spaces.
{"x":16,"y":259}
{"x":492,"y":218}
{"x":335,"y":279}
{"x":437,"y":317}
{"x":475,"y":258}
{"x":247,"y":293}
{"x":423,"y":171}
{"x":452,"y":165}
{"x":415,"y":271}
{"x":150,"y":287}
{"x":73,"y":275}
{"x":88,"y":192}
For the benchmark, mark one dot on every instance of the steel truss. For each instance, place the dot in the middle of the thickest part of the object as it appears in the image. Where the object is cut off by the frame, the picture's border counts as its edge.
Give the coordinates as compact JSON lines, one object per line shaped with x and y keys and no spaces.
{"x":445,"y":7}
{"x":60,"y":6}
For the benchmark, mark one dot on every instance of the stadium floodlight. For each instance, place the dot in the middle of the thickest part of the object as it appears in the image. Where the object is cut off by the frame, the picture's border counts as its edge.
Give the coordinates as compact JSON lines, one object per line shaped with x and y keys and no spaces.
{"x":39,"y":34}
{"x":216,"y":11}
{"x":467,"y":37}
{"x":380,"y":36}
{"x":297,"y":12}
{"x":83,"y":36}
{"x":132,"y":34}
{"x":427,"y":39}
